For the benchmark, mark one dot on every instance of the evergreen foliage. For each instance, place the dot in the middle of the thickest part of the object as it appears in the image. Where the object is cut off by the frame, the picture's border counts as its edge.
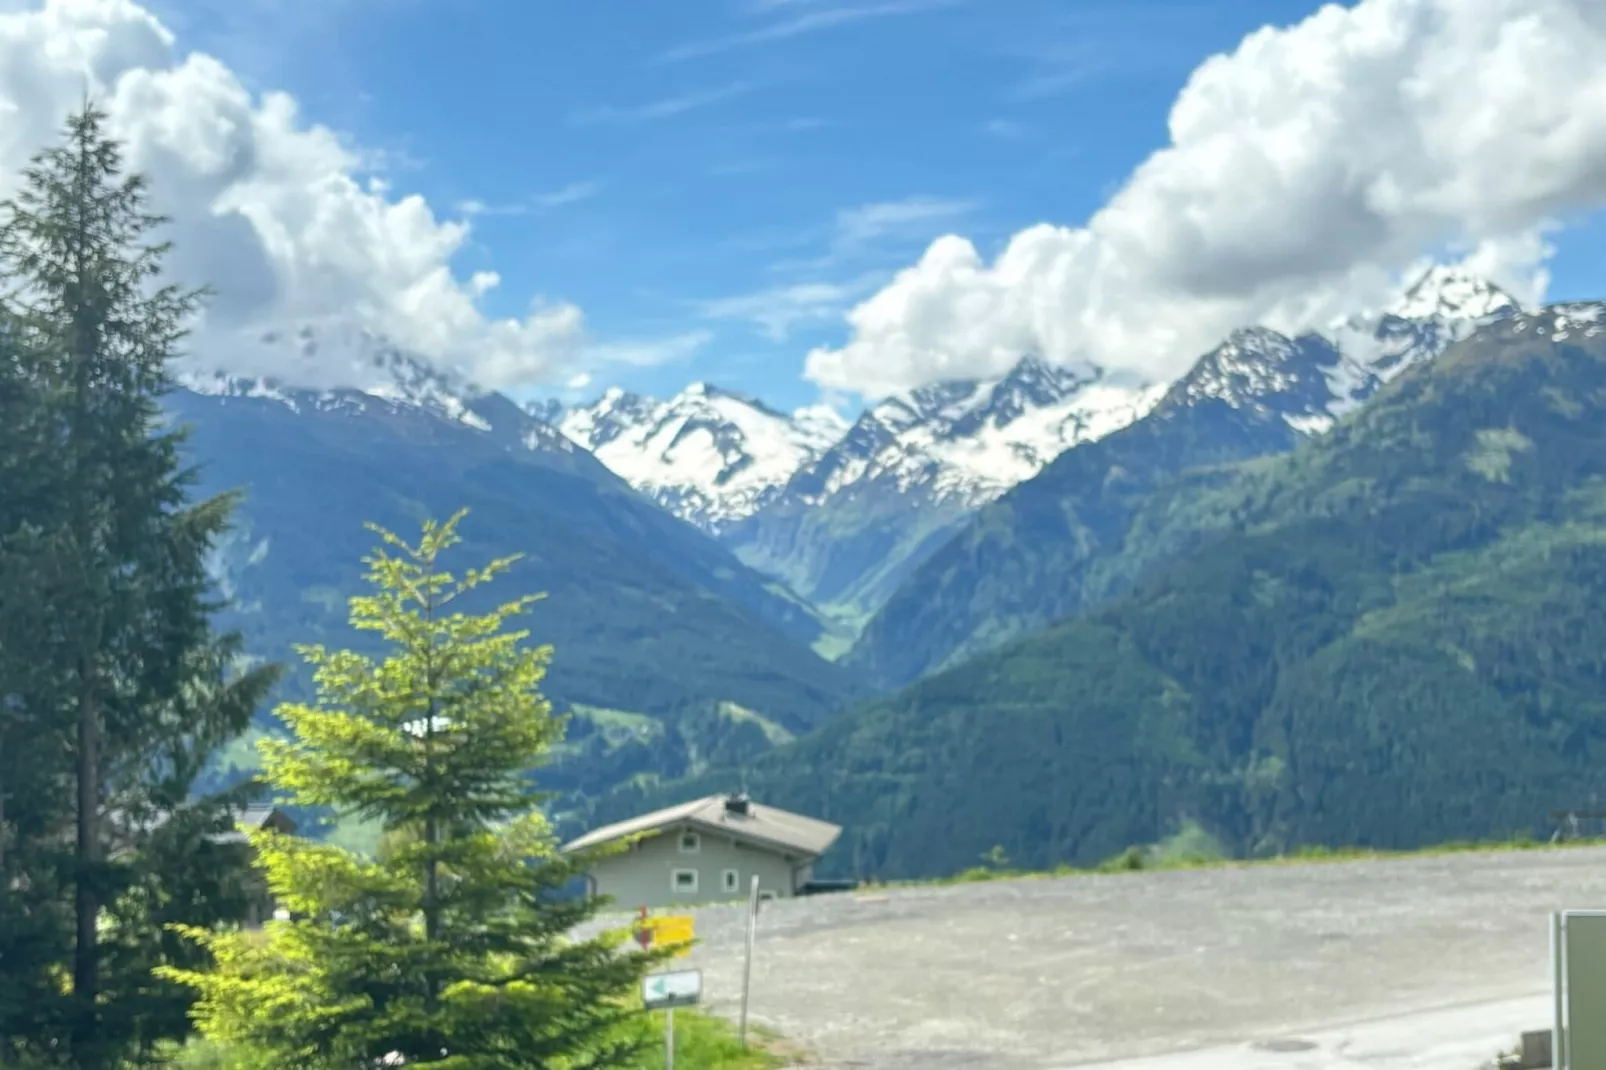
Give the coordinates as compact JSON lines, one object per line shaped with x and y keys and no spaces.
{"x":114,"y":688}
{"x":447,"y":949}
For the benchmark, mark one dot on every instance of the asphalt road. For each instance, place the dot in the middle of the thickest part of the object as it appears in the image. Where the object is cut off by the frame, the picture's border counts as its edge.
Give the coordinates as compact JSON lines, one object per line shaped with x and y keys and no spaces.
{"x":1426,"y":963}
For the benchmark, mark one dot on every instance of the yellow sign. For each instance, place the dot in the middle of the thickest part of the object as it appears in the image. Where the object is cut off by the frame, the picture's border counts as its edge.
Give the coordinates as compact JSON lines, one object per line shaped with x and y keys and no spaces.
{"x":668,"y":932}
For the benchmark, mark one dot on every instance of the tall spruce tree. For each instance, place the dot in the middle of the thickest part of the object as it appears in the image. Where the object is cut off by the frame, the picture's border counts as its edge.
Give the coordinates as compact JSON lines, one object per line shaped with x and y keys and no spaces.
{"x":35,"y":807}
{"x":450,"y":948}
{"x":126,"y":677}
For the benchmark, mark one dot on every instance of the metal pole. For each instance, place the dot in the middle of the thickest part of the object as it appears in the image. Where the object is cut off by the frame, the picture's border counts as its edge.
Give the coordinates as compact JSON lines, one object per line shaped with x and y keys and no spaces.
{"x":669,"y":1039}
{"x":747,"y":967}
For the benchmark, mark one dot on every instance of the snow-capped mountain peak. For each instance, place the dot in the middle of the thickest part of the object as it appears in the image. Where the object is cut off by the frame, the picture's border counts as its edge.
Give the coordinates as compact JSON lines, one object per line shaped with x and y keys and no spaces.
{"x":330,"y":366}
{"x":968,"y":440}
{"x":1440,"y":308}
{"x":1254,"y":363}
{"x":1445,"y":293}
{"x":344,"y":368}
{"x":820,"y":425}
{"x":710,"y":455}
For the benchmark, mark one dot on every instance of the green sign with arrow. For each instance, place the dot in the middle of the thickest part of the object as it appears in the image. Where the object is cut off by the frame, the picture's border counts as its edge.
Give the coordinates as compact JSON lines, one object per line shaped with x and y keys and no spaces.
{"x":662,"y":991}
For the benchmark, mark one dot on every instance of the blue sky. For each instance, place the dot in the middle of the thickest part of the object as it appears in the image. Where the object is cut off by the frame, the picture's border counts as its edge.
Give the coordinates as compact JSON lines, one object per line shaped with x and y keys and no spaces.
{"x":714,"y":182}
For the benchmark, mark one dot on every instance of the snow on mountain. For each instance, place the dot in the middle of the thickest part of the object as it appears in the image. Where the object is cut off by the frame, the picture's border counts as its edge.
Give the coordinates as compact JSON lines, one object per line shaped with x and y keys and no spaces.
{"x":968,"y":441}
{"x":1258,"y":368}
{"x":709,"y":456}
{"x":342,"y":368}
{"x":1438,"y":310}
{"x":715,"y":457}
{"x":1312,"y":380}
{"x":1451,"y":295}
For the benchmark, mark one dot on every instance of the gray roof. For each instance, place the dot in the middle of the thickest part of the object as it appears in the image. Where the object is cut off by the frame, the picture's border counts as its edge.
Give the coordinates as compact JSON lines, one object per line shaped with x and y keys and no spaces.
{"x":765,"y":825}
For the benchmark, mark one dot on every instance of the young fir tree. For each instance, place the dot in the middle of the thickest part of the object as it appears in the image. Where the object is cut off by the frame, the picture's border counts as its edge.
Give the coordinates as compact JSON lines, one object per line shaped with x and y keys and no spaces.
{"x":104,"y":561}
{"x":449,"y":949}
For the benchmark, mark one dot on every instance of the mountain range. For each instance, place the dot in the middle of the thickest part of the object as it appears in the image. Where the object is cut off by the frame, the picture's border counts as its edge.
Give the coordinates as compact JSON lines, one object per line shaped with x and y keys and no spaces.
{"x":729,"y":586}
{"x":845,"y":515}
{"x":669,"y":649}
{"x":1390,"y":636}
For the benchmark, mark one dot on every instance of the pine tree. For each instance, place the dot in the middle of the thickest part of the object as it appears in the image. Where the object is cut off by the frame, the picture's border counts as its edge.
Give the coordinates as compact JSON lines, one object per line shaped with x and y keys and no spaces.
{"x":449,"y":949}
{"x":108,"y":552}
{"x":35,"y":930}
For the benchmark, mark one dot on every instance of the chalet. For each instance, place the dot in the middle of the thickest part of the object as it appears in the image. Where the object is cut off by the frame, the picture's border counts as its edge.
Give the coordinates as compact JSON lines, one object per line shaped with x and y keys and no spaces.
{"x":707,"y":851}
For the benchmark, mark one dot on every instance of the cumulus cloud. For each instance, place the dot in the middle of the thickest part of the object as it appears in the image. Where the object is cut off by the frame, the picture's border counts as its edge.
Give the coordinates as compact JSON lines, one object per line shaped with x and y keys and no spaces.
{"x":273,"y":211}
{"x":1306,"y":172}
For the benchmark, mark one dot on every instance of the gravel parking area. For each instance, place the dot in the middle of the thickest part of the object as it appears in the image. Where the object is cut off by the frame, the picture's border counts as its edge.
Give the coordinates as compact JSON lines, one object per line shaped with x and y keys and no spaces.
{"x":1276,"y":961}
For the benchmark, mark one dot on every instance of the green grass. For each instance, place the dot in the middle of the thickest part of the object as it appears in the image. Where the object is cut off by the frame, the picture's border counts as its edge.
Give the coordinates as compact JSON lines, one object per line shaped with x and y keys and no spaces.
{"x":1194,"y":848}
{"x":702,"y":1042}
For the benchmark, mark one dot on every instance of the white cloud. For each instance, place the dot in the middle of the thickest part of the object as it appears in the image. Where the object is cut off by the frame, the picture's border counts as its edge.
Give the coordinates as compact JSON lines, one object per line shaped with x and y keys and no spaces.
{"x":573,"y":193}
{"x":1306,"y":171}
{"x":869,"y":223}
{"x":650,"y":352}
{"x":269,"y":209}
{"x":811,"y":21}
{"x":663,"y":108}
{"x":779,"y":310}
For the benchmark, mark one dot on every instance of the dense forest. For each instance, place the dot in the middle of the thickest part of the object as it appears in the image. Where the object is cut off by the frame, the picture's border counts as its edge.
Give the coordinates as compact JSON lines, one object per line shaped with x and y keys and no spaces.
{"x":1391,"y":637}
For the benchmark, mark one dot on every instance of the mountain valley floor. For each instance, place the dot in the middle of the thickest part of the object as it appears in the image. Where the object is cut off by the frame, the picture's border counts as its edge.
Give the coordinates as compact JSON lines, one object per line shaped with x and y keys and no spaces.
{"x":1428,"y":962}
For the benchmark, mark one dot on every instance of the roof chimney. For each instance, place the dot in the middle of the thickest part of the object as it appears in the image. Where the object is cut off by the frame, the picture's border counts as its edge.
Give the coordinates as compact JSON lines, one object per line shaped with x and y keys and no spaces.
{"x":736,"y":804}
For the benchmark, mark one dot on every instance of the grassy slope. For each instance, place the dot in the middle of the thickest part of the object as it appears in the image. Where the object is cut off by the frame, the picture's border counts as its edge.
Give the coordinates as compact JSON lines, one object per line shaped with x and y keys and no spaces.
{"x":1402,"y":642}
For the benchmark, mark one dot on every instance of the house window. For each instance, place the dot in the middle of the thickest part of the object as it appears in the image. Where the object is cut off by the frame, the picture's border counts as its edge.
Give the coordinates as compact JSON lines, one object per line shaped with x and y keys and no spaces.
{"x":690,"y":843}
{"x":684,"y":880}
{"x":766,"y":897}
{"x":732,"y":880}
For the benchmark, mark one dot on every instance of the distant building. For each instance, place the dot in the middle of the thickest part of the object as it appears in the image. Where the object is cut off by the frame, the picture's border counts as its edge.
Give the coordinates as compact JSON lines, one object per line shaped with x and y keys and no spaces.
{"x":123,"y":831}
{"x":263,"y":906}
{"x":707,"y":851}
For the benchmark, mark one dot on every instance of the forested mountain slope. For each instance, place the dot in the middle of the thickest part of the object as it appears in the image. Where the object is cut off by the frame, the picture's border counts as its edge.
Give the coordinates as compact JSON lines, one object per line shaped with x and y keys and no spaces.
{"x":1084,"y":528}
{"x":655,"y":627}
{"x":1400,"y":638}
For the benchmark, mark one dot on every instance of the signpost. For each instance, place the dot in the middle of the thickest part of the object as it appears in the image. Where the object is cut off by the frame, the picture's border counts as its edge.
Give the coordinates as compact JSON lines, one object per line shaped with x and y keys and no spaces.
{"x":677,"y":931}
{"x":747,"y":966}
{"x":666,"y":991}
